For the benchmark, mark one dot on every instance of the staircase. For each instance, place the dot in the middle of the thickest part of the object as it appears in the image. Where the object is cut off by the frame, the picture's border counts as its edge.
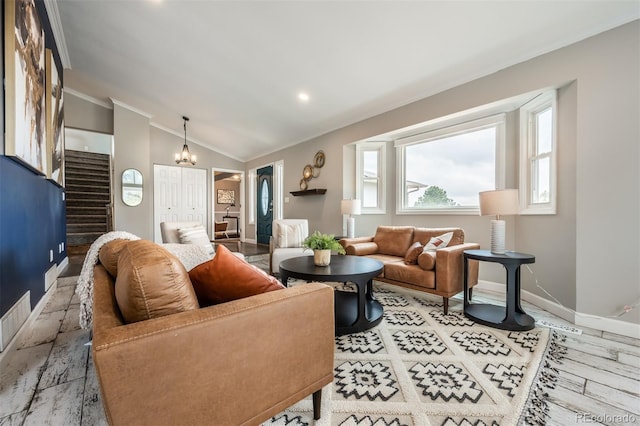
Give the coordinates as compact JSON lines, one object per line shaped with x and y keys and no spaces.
{"x":88,"y":186}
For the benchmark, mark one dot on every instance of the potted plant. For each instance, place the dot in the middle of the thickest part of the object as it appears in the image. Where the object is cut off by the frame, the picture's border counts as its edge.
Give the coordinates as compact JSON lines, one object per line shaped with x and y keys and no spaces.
{"x":322,"y":245}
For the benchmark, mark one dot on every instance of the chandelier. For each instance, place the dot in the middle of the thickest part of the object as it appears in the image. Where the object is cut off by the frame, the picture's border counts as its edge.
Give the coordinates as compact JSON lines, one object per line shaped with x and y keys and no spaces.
{"x":185,"y":157}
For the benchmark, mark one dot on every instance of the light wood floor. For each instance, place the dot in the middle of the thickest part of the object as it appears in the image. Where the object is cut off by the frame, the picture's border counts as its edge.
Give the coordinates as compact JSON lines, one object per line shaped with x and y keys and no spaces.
{"x":49,"y":378}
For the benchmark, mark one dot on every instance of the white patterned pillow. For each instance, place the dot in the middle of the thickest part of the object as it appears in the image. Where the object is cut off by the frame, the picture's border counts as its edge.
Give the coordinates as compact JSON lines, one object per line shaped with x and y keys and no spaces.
{"x":290,"y":235}
{"x":438,"y":242}
{"x":196,"y":235}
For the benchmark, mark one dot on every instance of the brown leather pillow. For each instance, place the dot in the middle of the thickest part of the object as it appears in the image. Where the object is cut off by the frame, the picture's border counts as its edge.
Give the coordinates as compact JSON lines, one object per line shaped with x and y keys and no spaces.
{"x":227,"y":277}
{"x":151,"y":283}
{"x":411,"y":257}
{"x":108,"y":255}
{"x":427,"y":260}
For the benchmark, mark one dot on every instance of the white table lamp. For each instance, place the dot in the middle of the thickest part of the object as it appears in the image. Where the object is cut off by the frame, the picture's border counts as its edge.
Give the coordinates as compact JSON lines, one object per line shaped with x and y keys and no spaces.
{"x":498,"y":203}
{"x":351,"y":207}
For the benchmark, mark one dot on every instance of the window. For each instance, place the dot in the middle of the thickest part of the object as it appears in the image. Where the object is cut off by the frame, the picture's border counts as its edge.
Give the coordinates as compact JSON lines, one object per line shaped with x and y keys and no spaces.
{"x":370,"y":186}
{"x":443,"y":170}
{"x":538,"y":155}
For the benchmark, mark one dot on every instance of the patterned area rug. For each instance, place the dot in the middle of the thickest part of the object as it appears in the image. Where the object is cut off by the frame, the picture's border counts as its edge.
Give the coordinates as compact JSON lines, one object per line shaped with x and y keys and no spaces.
{"x":421,"y":367}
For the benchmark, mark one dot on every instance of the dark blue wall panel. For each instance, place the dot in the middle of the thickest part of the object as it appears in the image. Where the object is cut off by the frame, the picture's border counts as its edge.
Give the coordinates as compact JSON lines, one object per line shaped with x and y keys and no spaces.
{"x":32,"y":222}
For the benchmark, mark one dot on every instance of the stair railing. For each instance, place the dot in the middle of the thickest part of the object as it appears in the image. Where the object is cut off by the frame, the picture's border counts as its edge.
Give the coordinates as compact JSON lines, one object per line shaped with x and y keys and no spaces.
{"x":109,"y":216}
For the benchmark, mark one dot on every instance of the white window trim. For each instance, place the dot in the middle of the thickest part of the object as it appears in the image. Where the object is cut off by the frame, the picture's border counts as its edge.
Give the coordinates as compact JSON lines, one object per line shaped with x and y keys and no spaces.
{"x":498,"y":120}
{"x":380,"y":147}
{"x":527,"y":112}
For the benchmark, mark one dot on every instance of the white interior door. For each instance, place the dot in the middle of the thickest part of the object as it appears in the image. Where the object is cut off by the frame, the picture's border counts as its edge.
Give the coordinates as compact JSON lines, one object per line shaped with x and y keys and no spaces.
{"x":194,"y":195}
{"x":179,"y":195}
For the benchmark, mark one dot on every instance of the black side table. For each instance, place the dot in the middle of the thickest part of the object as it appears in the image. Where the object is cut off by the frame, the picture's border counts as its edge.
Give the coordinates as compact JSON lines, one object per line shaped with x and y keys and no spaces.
{"x":512,"y":317}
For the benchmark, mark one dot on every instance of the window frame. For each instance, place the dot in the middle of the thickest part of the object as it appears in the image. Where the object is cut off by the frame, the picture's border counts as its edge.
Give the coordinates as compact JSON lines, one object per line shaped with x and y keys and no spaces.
{"x":528,"y":143}
{"x":452,"y":129}
{"x":380,"y":148}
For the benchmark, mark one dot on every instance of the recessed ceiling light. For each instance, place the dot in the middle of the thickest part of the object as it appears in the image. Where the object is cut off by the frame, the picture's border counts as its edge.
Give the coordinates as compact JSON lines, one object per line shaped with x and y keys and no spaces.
{"x":303,"y":97}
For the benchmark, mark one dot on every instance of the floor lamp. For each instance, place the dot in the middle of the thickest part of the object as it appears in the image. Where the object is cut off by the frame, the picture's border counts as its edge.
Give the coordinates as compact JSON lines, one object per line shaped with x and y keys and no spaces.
{"x":498,"y":203}
{"x":351,"y":207}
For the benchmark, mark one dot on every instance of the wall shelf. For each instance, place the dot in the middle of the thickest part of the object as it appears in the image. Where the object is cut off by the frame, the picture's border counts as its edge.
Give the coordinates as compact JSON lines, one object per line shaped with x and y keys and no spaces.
{"x":317,"y":191}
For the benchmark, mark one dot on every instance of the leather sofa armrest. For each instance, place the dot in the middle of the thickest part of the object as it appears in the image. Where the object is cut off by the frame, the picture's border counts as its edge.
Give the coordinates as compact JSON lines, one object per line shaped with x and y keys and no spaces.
{"x":362,"y":249}
{"x":278,"y":345}
{"x":359,"y":246}
{"x":450,"y":268}
{"x":355,"y":240}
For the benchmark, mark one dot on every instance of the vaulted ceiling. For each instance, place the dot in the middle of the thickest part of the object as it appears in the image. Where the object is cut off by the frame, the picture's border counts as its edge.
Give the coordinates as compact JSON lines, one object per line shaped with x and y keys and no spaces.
{"x":236,"y":68}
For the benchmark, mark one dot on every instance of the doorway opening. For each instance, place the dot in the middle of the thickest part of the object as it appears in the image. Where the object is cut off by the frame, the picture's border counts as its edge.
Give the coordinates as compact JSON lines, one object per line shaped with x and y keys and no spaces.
{"x":228,"y":206}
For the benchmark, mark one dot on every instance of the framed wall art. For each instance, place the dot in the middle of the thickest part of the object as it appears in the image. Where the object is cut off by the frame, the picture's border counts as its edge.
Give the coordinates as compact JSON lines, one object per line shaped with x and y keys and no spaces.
{"x":55,"y":120}
{"x":25,"y":121}
{"x":226,"y":196}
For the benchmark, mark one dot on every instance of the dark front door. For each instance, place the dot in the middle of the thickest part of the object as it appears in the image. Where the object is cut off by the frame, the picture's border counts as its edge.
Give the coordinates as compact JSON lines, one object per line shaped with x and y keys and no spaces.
{"x":264,"y":204}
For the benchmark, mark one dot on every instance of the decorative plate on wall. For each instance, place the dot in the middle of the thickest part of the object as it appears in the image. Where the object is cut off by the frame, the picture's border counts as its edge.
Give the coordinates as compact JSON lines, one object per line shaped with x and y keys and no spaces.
{"x":307,"y":172}
{"x":318,"y":159}
{"x":303,"y":184}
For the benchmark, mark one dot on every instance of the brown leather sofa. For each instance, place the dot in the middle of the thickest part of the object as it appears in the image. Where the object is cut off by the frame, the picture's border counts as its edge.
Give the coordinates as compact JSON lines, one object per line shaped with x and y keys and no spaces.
{"x":438,"y":272}
{"x":235,"y":363}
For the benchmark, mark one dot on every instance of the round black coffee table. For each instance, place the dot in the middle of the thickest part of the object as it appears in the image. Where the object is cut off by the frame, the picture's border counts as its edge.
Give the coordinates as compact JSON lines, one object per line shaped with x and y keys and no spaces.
{"x":354,"y":312}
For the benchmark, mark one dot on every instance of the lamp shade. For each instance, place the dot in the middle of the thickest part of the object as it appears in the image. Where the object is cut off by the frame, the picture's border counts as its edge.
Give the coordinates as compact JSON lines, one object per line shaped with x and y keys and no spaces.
{"x":351,"y":207}
{"x":498,"y":203}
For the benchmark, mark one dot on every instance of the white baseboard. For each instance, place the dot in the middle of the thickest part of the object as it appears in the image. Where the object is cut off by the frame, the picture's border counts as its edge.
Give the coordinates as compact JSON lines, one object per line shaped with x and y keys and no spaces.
{"x":50,"y":277}
{"x":20,"y":316}
{"x":28,"y":323}
{"x":13,"y":319}
{"x":61,"y":267}
{"x":611,"y":325}
{"x":250,"y":241}
{"x":584,"y":320}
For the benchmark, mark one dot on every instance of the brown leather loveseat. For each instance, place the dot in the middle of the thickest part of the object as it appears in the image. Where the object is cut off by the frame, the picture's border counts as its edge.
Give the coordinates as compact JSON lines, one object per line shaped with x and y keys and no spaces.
{"x":439,"y":271}
{"x":239,"y":362}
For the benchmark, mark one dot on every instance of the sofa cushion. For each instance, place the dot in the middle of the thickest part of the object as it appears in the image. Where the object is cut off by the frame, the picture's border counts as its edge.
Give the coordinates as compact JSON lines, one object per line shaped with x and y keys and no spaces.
{"x":226,"y":277}
{"x":393,"y":240}
{"x":427,"y":260}
{"x":441,"y":241}
{"x":196,"y":235}
{"x":411,"y":274}
{"x":411,"y":256}
{"x":109,"y":253}
{"x":151,"y":283}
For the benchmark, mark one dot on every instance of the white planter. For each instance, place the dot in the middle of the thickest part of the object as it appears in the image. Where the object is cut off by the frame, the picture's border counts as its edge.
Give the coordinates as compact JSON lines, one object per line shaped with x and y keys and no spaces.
{"x":321,"y":257}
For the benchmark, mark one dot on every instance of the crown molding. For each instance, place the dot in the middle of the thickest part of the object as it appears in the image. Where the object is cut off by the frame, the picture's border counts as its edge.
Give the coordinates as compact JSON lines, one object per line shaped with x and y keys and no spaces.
{"x":131,"y":108}
{"x":58,"y":33}
{"x":88,"y":98}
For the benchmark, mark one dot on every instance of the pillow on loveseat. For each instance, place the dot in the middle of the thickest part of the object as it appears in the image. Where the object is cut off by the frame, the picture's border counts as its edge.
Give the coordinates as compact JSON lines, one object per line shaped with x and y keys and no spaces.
{"x":411,"y":256}
{"x":151,"y":283}
{"x":227,"y":277}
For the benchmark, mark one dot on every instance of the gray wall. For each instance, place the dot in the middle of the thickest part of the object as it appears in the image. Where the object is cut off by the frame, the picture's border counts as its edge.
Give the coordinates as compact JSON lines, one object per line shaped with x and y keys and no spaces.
{"x":82,"y":114}
{"x":132,"y":150}
{"x":587,"y":254}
